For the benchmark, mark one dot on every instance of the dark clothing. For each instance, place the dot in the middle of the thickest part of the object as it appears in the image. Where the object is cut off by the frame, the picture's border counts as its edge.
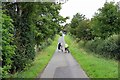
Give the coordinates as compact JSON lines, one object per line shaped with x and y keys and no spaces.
{"x":66,"y":49}
{"x":59,"y":46}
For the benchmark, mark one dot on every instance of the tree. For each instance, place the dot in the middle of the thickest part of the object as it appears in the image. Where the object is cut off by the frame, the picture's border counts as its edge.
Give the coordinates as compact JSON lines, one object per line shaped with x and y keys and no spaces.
{"x":84,"y":30}
{"x":80,"y":27}
{"x":34,"y":24}
{"x":75,"y":22}
{"x":8,"y":47}
{"x":48,"y":22}
{"x":107,"y":21}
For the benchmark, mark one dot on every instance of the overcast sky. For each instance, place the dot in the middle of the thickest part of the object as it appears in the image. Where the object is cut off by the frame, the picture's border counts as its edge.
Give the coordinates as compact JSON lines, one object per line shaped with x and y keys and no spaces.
{"x":86,"y":7}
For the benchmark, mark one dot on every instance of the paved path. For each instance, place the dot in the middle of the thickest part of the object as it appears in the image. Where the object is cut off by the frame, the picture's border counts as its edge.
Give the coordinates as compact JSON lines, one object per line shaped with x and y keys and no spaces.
{"x":63,"y":65}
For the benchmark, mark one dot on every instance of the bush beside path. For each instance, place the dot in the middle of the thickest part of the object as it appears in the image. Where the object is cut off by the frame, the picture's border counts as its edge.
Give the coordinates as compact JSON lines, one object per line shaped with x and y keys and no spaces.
{"x":94,"y":65}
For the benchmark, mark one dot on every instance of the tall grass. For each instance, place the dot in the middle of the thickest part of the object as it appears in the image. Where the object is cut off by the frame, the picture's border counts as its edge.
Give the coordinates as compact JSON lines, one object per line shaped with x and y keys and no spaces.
{"x":40,"y":62}
{"x":94,"y":65}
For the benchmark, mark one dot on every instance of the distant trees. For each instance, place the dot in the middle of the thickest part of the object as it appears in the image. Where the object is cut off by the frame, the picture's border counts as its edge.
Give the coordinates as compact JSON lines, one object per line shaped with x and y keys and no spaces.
{"x":26,"y":25}
{"x":80,"y":27}
{"x":101,"y":34}
{"x":107,"y":21}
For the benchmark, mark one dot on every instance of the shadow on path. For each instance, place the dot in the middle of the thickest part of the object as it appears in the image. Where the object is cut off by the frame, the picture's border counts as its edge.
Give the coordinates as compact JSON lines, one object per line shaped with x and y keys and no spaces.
{"x":63,"y":65}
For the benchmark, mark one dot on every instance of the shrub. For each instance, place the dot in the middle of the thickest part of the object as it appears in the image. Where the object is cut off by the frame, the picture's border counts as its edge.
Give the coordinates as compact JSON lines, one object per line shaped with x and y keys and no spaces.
{"x":88,"y":45}
{"x":110,"y":47}
{"x":81,"y":43}
{"x":8,"y":48}
{"x":60,"y":33}
{"x":92,"y":45}
{"x":49,"y":41}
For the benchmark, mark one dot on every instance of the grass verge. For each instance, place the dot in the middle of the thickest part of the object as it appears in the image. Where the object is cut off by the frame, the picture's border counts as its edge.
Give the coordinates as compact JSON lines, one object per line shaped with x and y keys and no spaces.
{"x":40,"y":62}
{"x":94,"y":66}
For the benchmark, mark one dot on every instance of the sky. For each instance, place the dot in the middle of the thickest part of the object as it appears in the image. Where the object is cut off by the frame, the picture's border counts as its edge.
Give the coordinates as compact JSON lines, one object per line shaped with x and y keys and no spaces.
{"x":86,"y":7}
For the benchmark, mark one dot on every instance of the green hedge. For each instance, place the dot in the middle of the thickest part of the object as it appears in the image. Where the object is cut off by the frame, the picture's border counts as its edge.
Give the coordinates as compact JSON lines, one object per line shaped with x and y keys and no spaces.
{"x":8,"y":48}
{"x":110,"y":47}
